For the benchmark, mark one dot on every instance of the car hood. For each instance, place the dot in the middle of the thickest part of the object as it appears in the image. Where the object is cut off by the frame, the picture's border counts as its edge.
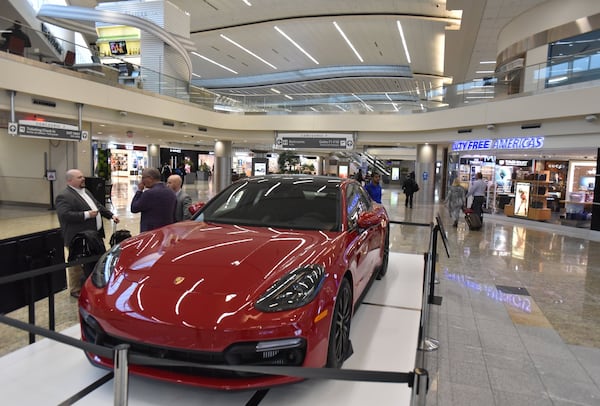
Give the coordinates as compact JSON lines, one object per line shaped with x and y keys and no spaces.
{"x":195,"y":258}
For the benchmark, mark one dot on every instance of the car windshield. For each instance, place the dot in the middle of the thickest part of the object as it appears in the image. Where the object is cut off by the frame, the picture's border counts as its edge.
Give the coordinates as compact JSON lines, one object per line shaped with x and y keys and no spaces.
{"x":292,"y":202}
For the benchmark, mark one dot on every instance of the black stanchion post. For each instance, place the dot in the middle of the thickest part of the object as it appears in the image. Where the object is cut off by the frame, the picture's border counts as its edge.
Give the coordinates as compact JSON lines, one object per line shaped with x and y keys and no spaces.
{"x":51,"y":176}
{"x":121,"y":380}
{"x":426,"y":343}
{"x":31,"y":308}
{"x":52,"y":196}
{"x":436,"y":300}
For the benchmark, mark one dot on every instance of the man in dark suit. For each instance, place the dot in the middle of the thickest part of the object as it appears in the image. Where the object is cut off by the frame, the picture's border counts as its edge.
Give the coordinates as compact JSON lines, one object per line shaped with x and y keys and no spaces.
{"x":79,"y":211}
{"x":154,"y":200}
{"x":184,"y":201}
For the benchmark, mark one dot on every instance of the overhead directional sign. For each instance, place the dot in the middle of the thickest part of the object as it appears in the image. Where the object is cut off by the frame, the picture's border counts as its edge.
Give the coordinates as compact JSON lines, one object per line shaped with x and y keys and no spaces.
{"x":330,"y":141}
{"x":43,"y":129}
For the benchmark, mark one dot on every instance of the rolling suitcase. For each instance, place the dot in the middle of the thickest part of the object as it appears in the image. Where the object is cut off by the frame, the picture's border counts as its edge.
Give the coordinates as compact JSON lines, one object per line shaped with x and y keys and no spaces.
{"x":472,"y":219}
{"x":118,"y":235}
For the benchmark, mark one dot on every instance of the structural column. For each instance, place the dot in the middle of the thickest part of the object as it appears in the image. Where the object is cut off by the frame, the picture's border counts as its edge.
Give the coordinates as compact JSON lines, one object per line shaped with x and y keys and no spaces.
{"x":425,"y":172}
{"x":222,"y":173}
{"x":153,"y":156}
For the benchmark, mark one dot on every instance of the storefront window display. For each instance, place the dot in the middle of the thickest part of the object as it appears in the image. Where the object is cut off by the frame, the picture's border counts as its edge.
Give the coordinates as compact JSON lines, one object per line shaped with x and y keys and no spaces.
{"x":128,"y":162}
{"x":558,"y":182}
{"x":580,"y":190}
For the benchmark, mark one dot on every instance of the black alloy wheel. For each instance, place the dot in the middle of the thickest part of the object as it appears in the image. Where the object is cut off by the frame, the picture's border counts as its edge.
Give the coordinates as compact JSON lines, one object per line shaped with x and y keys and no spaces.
{"x":382,"y":270}
{"x":340,"y":347}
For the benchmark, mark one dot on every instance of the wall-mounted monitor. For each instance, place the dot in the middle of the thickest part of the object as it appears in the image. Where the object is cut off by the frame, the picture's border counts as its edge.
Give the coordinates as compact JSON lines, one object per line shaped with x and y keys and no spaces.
{"x":118,"y":47}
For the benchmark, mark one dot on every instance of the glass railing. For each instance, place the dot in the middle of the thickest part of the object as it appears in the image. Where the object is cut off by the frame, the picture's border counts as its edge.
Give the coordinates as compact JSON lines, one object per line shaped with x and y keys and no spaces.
{"x":574,"y":70}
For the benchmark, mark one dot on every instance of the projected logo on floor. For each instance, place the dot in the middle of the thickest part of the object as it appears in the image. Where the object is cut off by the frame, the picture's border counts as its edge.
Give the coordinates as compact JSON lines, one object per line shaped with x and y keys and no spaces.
{"x":517,"y":301}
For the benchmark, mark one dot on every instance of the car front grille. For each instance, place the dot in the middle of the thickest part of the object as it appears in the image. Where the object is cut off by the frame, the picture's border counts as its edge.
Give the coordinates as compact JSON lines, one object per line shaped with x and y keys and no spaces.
{"x":236,"y":354}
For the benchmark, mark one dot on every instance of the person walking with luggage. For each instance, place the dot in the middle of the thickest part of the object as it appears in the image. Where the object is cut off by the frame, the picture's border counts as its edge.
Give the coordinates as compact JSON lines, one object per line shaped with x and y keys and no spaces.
{"x":78,"y":211}
{"x":154,"y":200}
{"x":374,"y":188}
{"x":477,"y":190}
{"x":457,"y":197}
{"x":409,"y":187}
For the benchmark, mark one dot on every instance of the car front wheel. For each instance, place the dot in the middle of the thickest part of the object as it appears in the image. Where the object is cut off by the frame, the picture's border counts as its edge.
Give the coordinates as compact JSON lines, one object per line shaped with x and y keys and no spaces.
{"x":340,"y":347}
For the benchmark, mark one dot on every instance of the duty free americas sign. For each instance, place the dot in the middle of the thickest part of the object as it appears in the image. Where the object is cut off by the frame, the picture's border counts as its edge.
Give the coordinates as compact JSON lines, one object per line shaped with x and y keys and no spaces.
{"x":501,"y":143}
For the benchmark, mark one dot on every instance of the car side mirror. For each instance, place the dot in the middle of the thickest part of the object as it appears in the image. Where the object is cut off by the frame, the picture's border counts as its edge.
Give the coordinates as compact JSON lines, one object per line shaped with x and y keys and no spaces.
{"x":193,"y":209}
{"x":369,"y":219}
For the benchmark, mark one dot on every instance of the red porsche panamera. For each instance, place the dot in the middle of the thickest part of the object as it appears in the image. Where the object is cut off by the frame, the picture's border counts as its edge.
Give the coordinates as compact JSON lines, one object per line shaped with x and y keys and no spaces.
{"x":268,"y":272}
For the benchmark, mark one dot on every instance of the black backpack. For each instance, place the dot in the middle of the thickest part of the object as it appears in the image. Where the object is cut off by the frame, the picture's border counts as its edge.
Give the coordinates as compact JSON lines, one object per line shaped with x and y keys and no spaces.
{"x":86,"y":244}
{"x":119,"y":236}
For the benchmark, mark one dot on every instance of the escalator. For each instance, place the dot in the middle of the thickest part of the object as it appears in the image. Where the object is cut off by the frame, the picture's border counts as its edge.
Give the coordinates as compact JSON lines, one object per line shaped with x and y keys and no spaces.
{"x":360,"y":158}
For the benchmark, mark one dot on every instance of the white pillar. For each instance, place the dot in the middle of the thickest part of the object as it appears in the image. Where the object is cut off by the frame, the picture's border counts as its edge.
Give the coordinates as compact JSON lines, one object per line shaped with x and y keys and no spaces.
{"x":222,"y":174}
{"x":425,"y":172}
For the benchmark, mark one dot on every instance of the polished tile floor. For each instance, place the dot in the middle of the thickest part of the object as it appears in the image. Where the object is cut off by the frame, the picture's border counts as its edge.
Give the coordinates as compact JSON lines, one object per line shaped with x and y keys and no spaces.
{"x":520,"y":319}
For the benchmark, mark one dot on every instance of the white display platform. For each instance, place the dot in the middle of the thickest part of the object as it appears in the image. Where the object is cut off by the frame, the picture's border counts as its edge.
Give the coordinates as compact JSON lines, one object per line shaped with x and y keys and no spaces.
{"x":384,"y":337}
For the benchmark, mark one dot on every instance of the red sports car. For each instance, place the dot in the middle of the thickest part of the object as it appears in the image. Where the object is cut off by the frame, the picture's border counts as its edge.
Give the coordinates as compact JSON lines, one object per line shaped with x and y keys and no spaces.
{"x":268,"y":272}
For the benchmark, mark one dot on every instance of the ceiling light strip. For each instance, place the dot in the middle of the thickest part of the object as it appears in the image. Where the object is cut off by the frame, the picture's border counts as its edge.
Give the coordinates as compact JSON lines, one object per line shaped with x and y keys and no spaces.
{"x":296,"y":45}
{"x":248,"y":51}
{"x":403,"y":40}
{"x":214,"y":62}
{"x":343,"y":34}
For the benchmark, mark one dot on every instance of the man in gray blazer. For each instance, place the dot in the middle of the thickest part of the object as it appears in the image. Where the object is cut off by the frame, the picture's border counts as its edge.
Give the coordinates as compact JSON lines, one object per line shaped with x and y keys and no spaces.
{"x":184,"y":201}
{"x":78,"y":211}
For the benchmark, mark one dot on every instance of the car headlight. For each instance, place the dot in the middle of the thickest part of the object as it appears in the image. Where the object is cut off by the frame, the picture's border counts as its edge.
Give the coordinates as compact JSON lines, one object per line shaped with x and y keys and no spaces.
{"x":105,"y":266}
{"x":293,"y":290}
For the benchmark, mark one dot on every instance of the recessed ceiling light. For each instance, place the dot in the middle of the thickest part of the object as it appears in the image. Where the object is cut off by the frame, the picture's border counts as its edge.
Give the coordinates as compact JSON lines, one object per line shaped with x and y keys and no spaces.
{"x":343,"y":34}
{"x":403,"y":40}
{"x":214,"y":62}
{"x":296,"y":45}
{"x":247,"y":51}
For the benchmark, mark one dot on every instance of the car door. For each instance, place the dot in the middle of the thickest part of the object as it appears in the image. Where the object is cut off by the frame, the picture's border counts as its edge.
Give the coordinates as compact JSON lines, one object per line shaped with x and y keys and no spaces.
{"x":363,"y":244}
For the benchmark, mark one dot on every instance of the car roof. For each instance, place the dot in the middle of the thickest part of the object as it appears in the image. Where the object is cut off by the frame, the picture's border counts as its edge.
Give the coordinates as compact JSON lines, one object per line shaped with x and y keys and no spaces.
{"x":295,"y":178}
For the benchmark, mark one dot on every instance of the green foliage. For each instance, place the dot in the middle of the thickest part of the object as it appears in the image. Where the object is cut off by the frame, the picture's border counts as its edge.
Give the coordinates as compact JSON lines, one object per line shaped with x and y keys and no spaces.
{"x":204,"y":167}
{"x":288,"y":162}
{"x":103,"y":167}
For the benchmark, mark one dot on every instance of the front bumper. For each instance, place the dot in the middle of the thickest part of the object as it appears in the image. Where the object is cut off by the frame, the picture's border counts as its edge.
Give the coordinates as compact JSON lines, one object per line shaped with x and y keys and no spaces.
{"x":277,"y":352}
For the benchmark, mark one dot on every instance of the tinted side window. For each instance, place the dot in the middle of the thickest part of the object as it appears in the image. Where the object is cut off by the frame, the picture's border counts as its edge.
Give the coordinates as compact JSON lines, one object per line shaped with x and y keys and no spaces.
{"x":357,"y":202}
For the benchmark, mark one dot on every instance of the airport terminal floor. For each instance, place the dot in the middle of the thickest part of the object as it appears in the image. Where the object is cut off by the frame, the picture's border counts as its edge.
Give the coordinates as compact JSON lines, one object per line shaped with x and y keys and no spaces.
{"x":520,"y":319}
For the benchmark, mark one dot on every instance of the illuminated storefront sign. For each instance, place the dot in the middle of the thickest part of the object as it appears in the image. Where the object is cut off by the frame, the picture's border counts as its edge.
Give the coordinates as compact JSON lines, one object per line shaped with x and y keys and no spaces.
{"x":501,"y":143}
{"x":513,"y":162}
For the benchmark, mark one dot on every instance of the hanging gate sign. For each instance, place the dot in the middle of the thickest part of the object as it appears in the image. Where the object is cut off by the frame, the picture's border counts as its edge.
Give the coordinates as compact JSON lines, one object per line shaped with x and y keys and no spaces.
{"x":329,"y":141}
{"x":44,"y":129}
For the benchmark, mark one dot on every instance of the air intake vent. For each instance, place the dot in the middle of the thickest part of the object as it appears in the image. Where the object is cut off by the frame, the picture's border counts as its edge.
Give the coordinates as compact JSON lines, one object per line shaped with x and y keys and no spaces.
{"x":529,"y":126}
{"x":203,"y":129}
{"x":465,"y":130}
{"x":169,"y":123}
{"x":43,"y":102}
